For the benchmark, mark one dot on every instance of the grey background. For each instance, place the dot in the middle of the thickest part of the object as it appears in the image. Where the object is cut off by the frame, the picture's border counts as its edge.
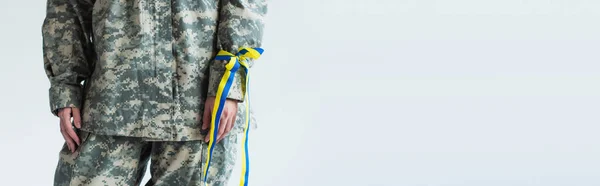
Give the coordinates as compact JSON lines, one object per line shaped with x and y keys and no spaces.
{"x":379,"y":93}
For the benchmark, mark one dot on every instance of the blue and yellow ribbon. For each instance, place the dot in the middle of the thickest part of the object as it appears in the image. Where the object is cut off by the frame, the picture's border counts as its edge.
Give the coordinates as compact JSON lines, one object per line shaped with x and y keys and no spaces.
{"x":234,"y":62}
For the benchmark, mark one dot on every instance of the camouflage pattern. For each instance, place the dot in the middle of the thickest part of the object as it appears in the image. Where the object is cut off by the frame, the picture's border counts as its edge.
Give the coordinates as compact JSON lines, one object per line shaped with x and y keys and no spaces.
{"x":143,"y":68}
{"x":122,"y":161}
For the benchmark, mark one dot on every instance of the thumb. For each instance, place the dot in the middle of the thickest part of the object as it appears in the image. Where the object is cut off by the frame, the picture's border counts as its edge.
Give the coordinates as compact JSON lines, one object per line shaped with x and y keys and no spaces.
{"x":76,"y":117}
{"x":206,"y":117}
{"x":206,"y":122}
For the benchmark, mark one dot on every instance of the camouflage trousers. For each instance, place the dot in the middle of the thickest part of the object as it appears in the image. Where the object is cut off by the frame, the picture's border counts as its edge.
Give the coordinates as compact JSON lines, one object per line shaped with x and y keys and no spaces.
{"x":121,"y":161}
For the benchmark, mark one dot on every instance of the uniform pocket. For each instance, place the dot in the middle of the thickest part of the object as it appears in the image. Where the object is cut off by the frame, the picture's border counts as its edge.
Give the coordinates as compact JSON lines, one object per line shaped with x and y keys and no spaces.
{"x":83,"y":138}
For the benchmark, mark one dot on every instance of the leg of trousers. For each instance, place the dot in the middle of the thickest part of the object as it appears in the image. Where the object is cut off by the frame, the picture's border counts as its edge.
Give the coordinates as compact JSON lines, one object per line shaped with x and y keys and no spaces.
{"x":121,"y":161}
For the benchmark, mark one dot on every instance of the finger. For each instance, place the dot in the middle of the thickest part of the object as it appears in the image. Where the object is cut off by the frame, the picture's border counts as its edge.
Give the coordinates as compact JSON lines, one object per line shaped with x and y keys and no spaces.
{"x":231,"y":124}
{"x":222,"y":125}
{"x":69,"y":142}
{"x":206,"y":117}
{"x":232,"y":121}
{"x":233,"y":118}
{"x":68,"y":128}
{"x":206,"y":122}
{"x":73,"y":135}
{"x":207,"y":138}
{"x":227,"y":127}
{"x":76,"y":117}
{"x":68,"y":139}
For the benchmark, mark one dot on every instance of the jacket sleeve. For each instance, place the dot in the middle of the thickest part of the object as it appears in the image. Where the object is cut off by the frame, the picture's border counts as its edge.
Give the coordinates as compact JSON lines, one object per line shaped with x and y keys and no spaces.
{"x":240,"y":24}
{"x":67,"y":50}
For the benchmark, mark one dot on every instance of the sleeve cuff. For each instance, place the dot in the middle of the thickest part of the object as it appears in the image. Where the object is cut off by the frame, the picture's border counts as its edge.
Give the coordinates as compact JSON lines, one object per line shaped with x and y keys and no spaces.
{"x":217,"y":70}
{"x":63,"y":96}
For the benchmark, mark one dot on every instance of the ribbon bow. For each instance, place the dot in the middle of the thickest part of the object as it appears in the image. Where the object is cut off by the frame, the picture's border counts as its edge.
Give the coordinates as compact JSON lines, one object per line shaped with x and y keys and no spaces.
{"x":233,"y":64}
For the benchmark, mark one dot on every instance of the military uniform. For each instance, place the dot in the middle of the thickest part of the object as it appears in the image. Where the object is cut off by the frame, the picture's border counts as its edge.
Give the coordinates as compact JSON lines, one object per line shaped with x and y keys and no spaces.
{"x":140,"y":71}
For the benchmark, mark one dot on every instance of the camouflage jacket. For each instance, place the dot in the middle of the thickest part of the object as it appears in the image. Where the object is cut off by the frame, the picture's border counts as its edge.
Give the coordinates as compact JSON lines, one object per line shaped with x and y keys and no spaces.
{"x":143,"y":68}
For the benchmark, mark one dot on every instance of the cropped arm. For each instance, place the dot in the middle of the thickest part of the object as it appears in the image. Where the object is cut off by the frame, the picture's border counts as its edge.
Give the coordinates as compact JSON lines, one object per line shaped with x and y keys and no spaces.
{"x":67,"y":50}
{"x":240,"y":24}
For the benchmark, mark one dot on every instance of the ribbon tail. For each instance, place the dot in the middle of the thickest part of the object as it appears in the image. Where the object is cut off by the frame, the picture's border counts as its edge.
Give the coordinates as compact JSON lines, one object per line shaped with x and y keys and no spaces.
{"x":220,"y":99}
{"x":245,"y":157}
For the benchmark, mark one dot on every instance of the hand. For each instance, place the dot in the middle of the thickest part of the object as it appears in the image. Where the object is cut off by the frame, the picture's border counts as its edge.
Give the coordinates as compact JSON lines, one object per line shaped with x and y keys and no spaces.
{"x":66,"y":128}
{"x":227,"y":117}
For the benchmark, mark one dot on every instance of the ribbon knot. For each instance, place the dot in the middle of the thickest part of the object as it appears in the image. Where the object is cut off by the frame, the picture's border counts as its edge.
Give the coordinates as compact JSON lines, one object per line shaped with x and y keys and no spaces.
{"x":240,"y":57}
